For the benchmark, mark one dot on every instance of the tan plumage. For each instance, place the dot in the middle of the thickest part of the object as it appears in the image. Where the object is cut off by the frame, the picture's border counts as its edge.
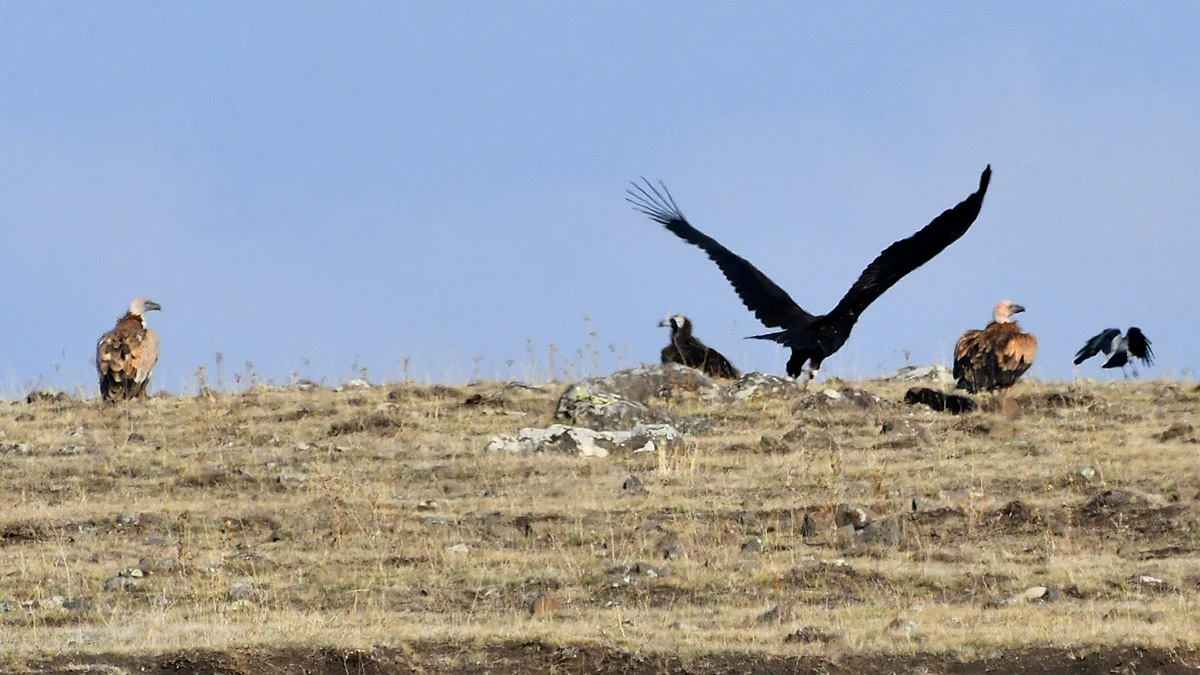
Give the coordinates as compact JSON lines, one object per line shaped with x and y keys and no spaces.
{"x":126,"y":355}
{"x":997,"y":356}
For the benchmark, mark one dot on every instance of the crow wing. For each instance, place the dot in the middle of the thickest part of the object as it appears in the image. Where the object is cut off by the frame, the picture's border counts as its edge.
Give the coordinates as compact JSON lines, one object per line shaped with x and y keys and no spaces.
{"x":770,"y":303}
{"x":906,"y":255}
{"x":1138,"y":345}
{"x":1098,"y":343}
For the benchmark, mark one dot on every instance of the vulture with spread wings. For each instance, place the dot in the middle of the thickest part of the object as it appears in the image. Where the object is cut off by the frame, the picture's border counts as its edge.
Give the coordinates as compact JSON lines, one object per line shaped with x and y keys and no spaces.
{"x":811,"y":338}
{"x":1121,"y":347}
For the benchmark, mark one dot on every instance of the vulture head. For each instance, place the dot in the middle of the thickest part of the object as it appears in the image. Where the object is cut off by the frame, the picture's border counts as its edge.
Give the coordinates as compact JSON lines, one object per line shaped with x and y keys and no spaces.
{"x":140,"y":306}
{"x":678,"y":324}
{"x":1004,"y":310}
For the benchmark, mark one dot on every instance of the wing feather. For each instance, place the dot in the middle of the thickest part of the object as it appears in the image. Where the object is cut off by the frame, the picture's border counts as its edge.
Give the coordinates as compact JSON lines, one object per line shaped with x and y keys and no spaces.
{"x":1139,"y":345}
{"x":770,"y":303}
{"x":1101,"y":342}
{"x":906,"y":255}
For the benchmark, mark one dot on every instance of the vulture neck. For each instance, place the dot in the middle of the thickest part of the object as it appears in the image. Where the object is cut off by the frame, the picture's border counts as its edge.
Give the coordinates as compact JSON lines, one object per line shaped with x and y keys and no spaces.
{"x":134,"y":317}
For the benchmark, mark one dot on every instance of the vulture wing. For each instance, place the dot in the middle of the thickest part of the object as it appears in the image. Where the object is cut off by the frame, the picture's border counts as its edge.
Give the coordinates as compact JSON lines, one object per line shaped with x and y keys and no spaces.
{"x":145,"y":356}
{"x":908,"y":254}
{"x":770,"y":303}
{"x":1099,"y":343}
{"x":1139,"y":346}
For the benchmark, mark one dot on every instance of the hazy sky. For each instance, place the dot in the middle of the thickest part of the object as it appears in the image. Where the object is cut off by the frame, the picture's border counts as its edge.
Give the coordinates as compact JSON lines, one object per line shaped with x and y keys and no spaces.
{"x":317,"y":186}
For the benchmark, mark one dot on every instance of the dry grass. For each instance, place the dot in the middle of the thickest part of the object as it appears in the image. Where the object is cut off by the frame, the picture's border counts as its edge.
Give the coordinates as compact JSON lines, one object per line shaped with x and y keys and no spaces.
{"x":342,"y":511}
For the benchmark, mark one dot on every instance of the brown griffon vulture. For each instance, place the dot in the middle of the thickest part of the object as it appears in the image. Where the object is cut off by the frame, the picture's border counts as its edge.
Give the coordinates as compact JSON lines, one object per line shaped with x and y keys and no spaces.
{"x":995,"y":357}
{"x":125,"y":355}
{"x":688,"y":350}
{"x":814,"y":338}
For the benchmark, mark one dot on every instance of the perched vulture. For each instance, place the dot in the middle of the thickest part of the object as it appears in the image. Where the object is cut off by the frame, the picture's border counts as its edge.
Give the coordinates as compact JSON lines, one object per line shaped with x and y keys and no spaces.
{"x":687,"y":350}
{"x":125,"y":355}
{"x":995,"y":357}
{"x":1133,"y":343}
{"x":813,"y":338}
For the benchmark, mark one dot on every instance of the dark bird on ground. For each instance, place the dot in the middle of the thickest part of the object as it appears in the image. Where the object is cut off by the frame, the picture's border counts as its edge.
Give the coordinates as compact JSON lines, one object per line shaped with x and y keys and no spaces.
{"x":125,"y":355}
{"x":1133,"y":343}
{"x":997,"y":356}
{"x":685,"y":349}
{"x":811,"y":338}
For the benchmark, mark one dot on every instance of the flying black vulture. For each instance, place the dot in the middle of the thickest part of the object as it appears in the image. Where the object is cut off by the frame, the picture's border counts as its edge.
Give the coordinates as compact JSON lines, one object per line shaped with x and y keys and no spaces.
{"x":813,"y":338}
{"x":997,"y":356}
{"x":689,"y":351}
{"x":1133,"y":343}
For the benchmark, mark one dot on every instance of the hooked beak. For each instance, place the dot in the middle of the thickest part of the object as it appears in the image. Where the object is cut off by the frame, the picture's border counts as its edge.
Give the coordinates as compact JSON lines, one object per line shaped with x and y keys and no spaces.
{"x":1016,"y":309}
{"x":150,"y":305}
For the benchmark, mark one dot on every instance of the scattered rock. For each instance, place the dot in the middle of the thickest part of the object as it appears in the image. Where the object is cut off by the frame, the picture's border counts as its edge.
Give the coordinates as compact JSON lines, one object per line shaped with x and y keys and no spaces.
{"x":15,"y":449}
{"x":135,"y":437}
{"x":120,"y":583}
{"x":753,"y":545}
{"x":940,"y":374}
{"x":625,"y":575}
{"x":242,"y":591}
{"x":586,"y":442}
{"x":817,"y":523}
{"x":544,"y":605}
{"x":670,"y":550}
{"x":846,"y":398}
{"x":902,"y":627}
{"x":1174,"y":432}
{"x":883,"y":533}
{"x":773,"y":446}
{"x":356,"y":383}
{"x":778,"y":614}
{"x":809,"y":635}
{"x":851,"y":514}
{"x":656,"y":381}
{"x":51,"y":603}
{"x":754,"y":387}
{"x":605,"y":411}
{"x":458,"y":548}
{"x":1042,"y":594}
{"x":1114,"y":500}
{"x":954,"y":404}
{"x":42,"y":396}
{"x":633,"y":484}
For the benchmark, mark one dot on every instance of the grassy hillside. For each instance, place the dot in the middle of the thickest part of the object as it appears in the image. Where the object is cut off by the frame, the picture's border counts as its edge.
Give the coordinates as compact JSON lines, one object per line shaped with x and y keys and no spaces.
{"x":374,"y":518}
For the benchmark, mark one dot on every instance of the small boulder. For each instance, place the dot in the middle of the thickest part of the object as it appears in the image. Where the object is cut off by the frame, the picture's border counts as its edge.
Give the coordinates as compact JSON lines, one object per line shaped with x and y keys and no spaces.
{"x":755,"y":387}
{"x":939,"y":374}
{"x":587,"y":442}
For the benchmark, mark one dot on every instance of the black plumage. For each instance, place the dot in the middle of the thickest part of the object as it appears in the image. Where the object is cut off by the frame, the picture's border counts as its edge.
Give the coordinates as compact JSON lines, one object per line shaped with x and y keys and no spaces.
{"x":813,"y":338}
{"x":687,"y":350}
{"x":1119,"y":347}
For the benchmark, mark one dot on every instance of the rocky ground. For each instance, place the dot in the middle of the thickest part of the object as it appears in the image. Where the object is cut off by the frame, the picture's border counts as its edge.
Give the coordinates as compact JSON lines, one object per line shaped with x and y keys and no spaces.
{"x":650,"y":521}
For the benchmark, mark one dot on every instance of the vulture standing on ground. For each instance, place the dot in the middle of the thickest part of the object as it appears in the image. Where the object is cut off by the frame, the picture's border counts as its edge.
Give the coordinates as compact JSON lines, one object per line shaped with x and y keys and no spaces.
{"x":125,"y":355}
{"x":1133,"y":343}
{"x":995,"y":357}
{"x":687,"y":350}
{"x":813,"y":338}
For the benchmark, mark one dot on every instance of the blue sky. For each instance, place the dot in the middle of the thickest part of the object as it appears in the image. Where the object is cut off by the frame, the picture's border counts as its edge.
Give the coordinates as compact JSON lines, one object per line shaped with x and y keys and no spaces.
{"x":315,"y":187}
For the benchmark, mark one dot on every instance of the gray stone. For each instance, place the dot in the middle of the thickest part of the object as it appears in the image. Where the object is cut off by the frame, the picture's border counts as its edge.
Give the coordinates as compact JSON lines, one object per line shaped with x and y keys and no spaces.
{"x":587,"y":442}
{"x":646,"y":382}
{"x":844,"y":399}
{"x":939,"y":374}
{"x":902,"y":627}
{"x":883,"y":533}
{"x":120,"y":583}
{"x":808,"y":635}
{"x":778,"y":614}
{"x":753,"y":545}
{"x":240,"y":590}
{"x":633,"y":484}
{"x":851,"y":514}
{"x":755,"y":387}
